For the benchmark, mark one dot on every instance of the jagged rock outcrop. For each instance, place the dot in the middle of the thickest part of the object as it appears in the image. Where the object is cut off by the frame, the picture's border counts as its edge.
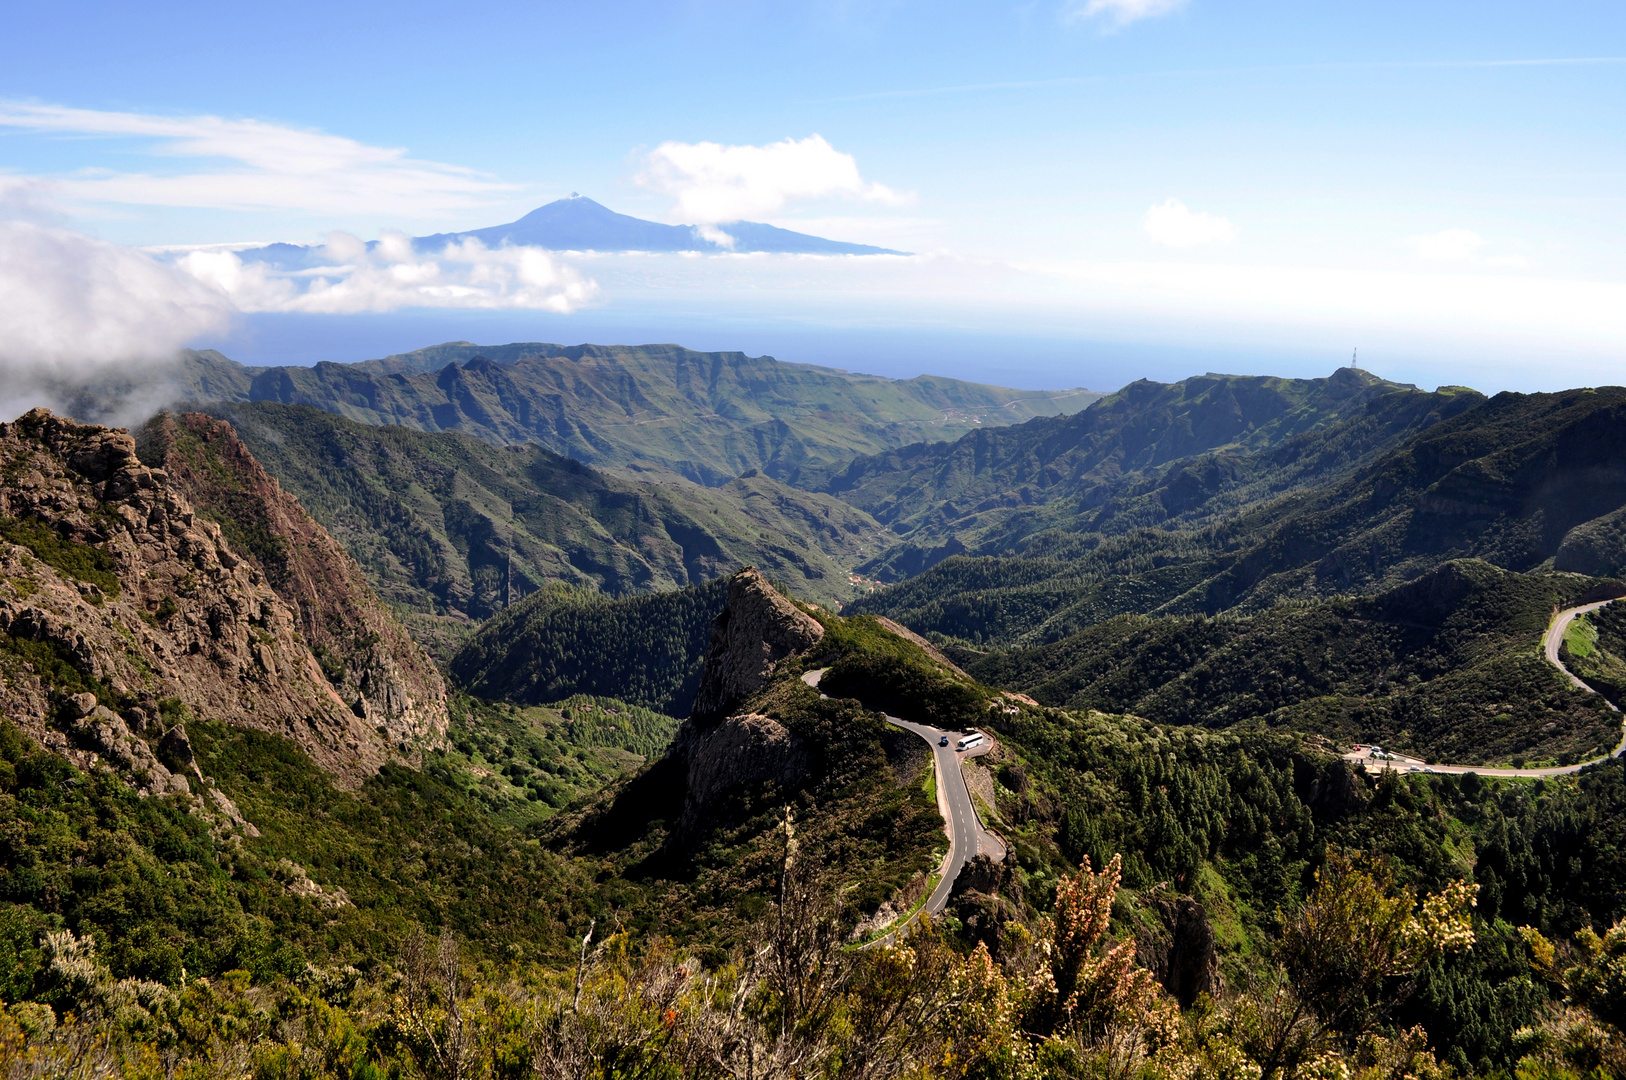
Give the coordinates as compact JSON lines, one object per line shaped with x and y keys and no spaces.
{"x":385,"y":677}
{"x":1180,"y":948}
{"x":755,"y":631}
{"x":715,"y":752}
{"x":987,"y":897}
{"x":742,"y":750}
{"x":112,"y":586}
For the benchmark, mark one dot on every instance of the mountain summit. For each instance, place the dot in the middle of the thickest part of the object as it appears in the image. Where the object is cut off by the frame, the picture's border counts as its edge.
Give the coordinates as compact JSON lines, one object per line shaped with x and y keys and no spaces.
{"x":578,"y":223}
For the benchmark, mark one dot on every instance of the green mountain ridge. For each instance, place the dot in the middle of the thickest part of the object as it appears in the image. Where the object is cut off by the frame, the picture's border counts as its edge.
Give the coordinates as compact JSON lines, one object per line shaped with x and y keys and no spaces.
{"x":680,"y":907}
{"x":1148,"y":455}
{"x":452,"y":528}
{"x":560,"y":642}
{"x":1445,"y":667}
{"x":1509,"y":479}
{"x":706,"y":416}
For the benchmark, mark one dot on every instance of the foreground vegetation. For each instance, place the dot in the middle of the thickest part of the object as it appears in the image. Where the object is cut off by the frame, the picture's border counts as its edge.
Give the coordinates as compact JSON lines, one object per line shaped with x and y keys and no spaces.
{"x":1060,"y":998}
{"x":137,"y":938}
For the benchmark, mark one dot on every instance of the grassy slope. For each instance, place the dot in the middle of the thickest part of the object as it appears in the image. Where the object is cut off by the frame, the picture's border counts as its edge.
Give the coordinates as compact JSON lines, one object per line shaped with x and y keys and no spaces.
{"x":708,"y":416}
{"x":1595,"y":650}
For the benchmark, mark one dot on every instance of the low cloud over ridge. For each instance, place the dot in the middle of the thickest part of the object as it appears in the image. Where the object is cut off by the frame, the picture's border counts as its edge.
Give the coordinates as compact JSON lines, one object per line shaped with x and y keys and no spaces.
{"x":78,"y":308}
{"x":357,"y":277}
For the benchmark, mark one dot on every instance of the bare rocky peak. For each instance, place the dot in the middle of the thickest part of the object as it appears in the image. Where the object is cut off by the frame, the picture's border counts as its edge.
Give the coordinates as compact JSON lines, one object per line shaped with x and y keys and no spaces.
{"x":179,"y":618}
{"x":385,"y":677}
{"x":757,"y":629}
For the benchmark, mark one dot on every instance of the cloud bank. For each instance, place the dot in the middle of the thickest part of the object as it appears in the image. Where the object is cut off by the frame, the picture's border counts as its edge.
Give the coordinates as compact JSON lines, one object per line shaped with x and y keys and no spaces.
{"x":714,"y":184}
{"x":359,"y":277}
{"x":1173,"y":224}
{"x":274,"y":167}
{"x":78,"y":309}
{"x":83,"y":313}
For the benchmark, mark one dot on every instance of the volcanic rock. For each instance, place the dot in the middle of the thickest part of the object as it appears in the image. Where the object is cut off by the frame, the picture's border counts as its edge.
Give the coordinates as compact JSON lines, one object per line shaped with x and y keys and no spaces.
{"x":119,"y":599}
{"x":756,"y":630}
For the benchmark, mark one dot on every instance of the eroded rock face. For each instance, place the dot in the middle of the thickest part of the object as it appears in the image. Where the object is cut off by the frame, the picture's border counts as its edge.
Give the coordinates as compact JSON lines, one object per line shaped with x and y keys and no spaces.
{"x":717,"y":749}
{"x":188,"y":619}
{"x":385,"y":677}
{"x":741,"y":750}
{"x":756,"y":630}
{"x":1181,"y":951}
{"x":986,"y":898}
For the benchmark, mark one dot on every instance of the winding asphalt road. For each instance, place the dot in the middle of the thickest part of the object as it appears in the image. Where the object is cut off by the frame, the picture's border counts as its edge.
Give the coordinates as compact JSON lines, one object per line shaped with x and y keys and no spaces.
{"x":1550,"y":642}
{"x":967,"y":837}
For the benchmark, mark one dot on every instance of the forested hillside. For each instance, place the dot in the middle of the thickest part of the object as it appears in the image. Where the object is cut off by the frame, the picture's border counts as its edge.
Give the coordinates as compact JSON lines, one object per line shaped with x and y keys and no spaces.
{"x":1147,"y":455}
{"x":1446,"y":668}
{"x":1512,"y":480}
{"x":448,"y":526}
{"x":559,"y":642}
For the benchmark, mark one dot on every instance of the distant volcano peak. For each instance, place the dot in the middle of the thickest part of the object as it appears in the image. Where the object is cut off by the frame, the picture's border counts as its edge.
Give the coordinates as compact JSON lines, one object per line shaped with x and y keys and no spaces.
{"x":578,"y":223}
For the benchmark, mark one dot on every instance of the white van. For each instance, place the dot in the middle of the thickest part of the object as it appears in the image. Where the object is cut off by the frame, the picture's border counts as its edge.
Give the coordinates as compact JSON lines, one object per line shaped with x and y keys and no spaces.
{"x":966,"y":743}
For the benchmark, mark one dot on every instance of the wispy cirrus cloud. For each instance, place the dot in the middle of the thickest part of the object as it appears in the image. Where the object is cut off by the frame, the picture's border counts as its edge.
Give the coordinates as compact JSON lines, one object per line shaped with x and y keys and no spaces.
{"x":256,"y":165}
{"x":713,"y":184}
{"x":1117,"y":12}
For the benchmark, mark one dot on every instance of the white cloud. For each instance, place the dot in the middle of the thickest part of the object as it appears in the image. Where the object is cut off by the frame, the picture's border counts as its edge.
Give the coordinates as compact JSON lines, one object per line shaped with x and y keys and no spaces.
{"x":78,"y":309}
{"x":1120,"y":12}
{"x":1174,"y":224}
{"x":391,"y":275}
{"x":1451,"y":245}
{"x":275,"y":167}
{"x":714,"y":184}
{"x":715,"y":235}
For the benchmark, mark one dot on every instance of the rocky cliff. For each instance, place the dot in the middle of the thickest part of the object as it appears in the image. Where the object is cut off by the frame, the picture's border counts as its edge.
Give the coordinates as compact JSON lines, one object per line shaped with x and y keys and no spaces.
{"x":755,"y":631}
{"x":716,"y":752}
{"x":122,"y":612}
{"x":385,"y":677}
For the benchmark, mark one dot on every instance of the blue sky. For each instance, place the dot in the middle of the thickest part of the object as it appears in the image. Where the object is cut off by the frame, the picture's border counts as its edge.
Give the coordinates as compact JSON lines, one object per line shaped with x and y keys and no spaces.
{"x":1096,"y":190}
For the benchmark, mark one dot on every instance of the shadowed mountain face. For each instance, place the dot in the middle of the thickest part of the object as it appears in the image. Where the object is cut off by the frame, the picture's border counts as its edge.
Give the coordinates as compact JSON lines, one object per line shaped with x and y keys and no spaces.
{"x":707,"y":416}
{"x":1441,"y":666}
{"x":1151,"y":454}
